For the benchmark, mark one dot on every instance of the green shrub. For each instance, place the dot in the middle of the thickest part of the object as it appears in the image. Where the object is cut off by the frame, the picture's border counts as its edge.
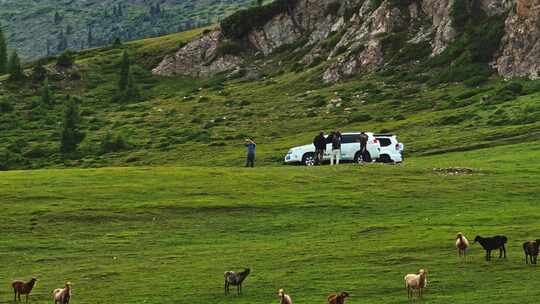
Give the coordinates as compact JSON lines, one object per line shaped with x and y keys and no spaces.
{"x":375,"y":4}
{"x":181,"y":44}
{"x":242,"y":22}
{"x":318,"y":101}
{"x":66,"y":59}
{"x":457,"y":73}
{"x":469,"y":55}
{"x":514,"y":87}
{"x":411,"y":52}
{"x":360,"y":117}
{"x":398,"y":117}
{"x":392,"y":44}
{"x":468,"y":94}
{"x":5,"y":106}
{"x":456,"y":119}
{"x":9,"y":159}
{"x":532,"y":87}
{"x":228,"y":47}
{"x":460,"y":13}
{"x":332,"y":8}
{"x":114,"y":143}
{"x":332,"y":40}
{"x":39,"y":151}
{"x":476,"y":81}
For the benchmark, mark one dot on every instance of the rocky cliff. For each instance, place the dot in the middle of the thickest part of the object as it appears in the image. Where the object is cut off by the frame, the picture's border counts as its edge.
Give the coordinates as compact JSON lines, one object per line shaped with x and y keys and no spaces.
{"x":349,"y":37}
{"x":520,"y":54}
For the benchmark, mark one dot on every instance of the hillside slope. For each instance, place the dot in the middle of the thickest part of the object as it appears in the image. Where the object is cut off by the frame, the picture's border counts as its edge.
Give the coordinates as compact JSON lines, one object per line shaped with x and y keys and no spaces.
{"x":185,"y":120}
{"x":41,"y":28}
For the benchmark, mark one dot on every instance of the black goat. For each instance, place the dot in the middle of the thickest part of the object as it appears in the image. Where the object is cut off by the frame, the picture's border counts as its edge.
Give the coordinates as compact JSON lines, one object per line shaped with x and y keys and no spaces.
{"x":235,"y":279}
{"x":531,"y":249}
{"x":493,"y":243}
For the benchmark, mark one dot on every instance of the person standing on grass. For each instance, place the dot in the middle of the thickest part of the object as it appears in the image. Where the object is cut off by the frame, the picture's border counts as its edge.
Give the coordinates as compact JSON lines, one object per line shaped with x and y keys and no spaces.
{"x":320,"y":146}
{"x":251,"y":145}
{"x":336,"y":148}
{"x":363,"y":146}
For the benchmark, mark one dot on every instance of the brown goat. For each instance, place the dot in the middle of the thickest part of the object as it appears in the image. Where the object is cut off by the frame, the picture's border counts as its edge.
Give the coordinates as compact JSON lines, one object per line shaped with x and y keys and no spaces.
{"x":531,"y":249}
{"x":22,"y":288}
{"x":338,"y":299}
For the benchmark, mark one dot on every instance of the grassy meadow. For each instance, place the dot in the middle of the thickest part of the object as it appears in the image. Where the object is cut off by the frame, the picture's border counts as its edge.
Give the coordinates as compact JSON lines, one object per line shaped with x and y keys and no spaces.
{"x":167,"y":234}
{"x":160,"y":218}
{"x":203,"y":122}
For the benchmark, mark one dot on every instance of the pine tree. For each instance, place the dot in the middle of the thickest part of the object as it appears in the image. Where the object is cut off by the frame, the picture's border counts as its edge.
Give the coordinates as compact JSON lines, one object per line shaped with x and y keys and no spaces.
{"x":89,"y":38}
{"x":14,"y":67}
{"x":46,"y":93}
{"x":39,"y":73}
{"x":124,"y":72}
{"x":117,"y":43}
{"x":131,"y":90}
{"x":3,"y":52}
{"x":71,"y":136}
{"x":62,"y":42}
{"x":57,"y":17}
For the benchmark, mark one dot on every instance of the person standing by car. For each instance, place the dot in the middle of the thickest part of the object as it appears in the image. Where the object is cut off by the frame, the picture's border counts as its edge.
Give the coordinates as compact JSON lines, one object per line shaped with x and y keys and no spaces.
{"x":336,"y":148}
{"x":363,"y":146}
{"x":251,"y":145}
{"x":320,"y":146}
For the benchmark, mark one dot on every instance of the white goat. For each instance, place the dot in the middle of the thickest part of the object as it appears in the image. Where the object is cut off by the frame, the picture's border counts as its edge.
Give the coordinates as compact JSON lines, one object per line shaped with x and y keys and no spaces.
{"x":416,"y":282}
{"x":62,"y":295}
{"x":462,"y":244}
{"x":283,"y":297}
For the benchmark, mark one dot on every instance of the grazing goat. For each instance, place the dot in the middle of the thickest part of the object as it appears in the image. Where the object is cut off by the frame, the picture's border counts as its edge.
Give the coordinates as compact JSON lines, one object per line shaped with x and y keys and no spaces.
{"x":531,"y":251}
{"x":283,"y":297}
{"x":338,"y":299}
{"x":462,"y":244}
{"x":62,"y":295}
{"x":235,"y":279}
{"x":492,"y":243}
{"x":22,"y":288}
{"x":416,"y":282}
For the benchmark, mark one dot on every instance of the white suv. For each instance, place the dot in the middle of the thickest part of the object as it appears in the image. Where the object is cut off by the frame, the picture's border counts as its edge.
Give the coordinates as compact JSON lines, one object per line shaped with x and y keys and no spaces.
{"x":350,"y":150}
{"x":391,"y":149}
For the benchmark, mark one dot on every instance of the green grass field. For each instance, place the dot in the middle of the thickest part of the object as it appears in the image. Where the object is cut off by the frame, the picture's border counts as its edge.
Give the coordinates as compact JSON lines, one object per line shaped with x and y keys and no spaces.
{"x":166,"y":228}
{"x":167,"y":234}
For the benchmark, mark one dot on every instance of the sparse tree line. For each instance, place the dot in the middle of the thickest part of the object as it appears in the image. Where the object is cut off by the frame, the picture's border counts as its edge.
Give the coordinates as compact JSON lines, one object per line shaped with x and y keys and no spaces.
{"x":70,"y":135}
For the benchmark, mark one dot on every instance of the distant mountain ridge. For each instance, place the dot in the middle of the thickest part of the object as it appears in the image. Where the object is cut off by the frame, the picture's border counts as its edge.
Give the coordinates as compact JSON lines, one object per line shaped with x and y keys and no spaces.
{"x":41,"y":28}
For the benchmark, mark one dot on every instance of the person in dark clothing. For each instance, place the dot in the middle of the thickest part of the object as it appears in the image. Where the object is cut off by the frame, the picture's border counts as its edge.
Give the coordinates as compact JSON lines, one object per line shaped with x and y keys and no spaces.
{"x":363,"y":146}
{"x":320,"y":146}
{"x":336,"y":148}
{"x":250,"y":144}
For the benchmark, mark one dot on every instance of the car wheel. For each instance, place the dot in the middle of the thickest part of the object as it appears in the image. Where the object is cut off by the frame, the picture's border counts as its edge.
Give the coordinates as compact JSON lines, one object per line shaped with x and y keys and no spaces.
{"x":308,"y":159}
{"x":385,"y":158}
{"x":358,"y":158}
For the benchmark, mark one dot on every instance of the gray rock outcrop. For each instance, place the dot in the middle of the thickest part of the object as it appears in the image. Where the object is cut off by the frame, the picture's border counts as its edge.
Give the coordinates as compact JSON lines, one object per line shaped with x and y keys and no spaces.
{"x":357,"y":30}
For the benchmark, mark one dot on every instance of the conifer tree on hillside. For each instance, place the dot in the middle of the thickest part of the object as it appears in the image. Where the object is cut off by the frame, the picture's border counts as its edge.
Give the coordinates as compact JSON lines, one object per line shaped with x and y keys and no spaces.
{"x":46,"y":97}
{"x":3,"y":52}
{"x":71,"y":136}
{"x":124,"y":72}
{"x":15,"y":69}
{"x":39,"y":72}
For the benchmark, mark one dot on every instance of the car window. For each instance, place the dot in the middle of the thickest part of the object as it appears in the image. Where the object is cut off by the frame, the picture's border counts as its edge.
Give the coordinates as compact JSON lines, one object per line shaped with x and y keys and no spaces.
{"x":385,"y":142}
{"x":351,"y":138}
